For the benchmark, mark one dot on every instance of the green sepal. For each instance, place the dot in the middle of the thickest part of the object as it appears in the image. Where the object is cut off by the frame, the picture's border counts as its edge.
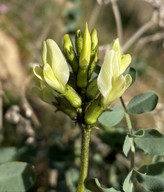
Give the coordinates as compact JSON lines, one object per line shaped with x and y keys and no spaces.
{"x":92,"y":89}
{"x":72,"y":96}
{"x":93,"y":111}
{"x":64,"y":105}
{"x":45,"y":94}
{"x":70,"y":53}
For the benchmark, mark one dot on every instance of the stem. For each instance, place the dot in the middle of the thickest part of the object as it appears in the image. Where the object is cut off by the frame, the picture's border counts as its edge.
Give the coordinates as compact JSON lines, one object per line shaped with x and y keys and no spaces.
{"x":130,"y":129}
{"x":86,"y":131}
{"x":127,"y":117}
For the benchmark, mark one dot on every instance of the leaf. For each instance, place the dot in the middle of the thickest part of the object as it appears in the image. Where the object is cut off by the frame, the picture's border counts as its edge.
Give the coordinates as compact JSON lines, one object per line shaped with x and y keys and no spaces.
{"x":127,"y":144}
{"x":128,"y":182}
{"x":17,"y":176}
{"x":133,"y":74}
{"x":71,"y":176}
{"x":7,"y":154}
{"x":151,"y":177}
{"x":151,"y":142}
{"x":94,"y":186}
{"x":142,"y":103}
{"x":112,"y":118}
{"x":113,"y":137}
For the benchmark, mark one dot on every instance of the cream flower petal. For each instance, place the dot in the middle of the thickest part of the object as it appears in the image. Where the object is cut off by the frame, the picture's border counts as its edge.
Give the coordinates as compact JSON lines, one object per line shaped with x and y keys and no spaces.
{"x":128,"y":80}
{"x":57,"y":62}
{"x":51,"y":79}
{"x":44,"y":53}
{"x":116,"y":65}
{"x":118,"y":88}
{"x":104,"y":80}
{"x":38,"y":72}
{"x":125,"y":61}
{"x":116,"y":47}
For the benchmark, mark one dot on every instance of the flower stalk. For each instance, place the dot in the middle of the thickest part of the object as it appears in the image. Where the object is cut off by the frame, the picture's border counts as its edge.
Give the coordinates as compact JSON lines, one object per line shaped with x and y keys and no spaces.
{"x":85,"y":140}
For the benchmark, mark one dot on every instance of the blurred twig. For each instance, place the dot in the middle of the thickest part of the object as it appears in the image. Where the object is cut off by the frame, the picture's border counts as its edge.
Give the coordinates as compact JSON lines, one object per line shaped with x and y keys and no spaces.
{"x":26,"y":105}
{"x":117,"y":16}
{"x":155,"y":20}
{"x":1,"y":108}
{"x":150,"y":38}
{"x":137,"y":35}
{"x":94,"y":14}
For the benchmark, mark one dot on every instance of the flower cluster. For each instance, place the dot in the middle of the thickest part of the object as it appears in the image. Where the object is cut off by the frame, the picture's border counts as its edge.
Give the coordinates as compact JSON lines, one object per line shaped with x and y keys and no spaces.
{"x":68,"y":80}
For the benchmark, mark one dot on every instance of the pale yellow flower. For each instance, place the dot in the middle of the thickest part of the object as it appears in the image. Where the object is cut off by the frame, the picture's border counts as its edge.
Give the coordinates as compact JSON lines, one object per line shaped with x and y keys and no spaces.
{"x":54,"y":71}
{"x":111,"y":81}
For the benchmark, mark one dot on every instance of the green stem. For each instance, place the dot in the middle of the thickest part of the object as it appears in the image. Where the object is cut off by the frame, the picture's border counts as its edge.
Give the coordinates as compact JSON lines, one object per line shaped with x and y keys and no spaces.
{"x":127,"y":116}
{"x":130,"y":129}
{"x":86,"y":131}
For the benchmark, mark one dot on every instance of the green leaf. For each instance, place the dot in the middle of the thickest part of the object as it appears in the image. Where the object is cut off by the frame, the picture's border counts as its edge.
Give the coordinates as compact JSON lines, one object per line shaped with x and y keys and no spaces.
{"x":94,"y":186}
{"x":128,"y":182}
{"x":142,"y":103}
{"x":113,"y":137}
{"x":7,"y":154}
{"x":127,"y":144}
{"x":151,"y":142}
{"x":71,"y":176}
{"x":151,"y":177}
{"x":112,"y":118}
{"x":17,"y":176}
{"x":133,"y":74}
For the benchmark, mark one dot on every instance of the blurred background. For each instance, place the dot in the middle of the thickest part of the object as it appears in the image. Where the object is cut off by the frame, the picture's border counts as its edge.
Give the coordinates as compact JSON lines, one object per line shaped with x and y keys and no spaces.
{"x":31,"y":130}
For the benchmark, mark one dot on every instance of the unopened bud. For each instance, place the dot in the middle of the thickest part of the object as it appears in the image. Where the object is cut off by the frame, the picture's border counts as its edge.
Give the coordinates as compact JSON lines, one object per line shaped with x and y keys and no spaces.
{"x":70,"y":53}
{"x":94,"y":41}
{"x":94,"y":52}
{"x":78,"y":42}
{"x":84,"y":59}
{"x":93,"y":63}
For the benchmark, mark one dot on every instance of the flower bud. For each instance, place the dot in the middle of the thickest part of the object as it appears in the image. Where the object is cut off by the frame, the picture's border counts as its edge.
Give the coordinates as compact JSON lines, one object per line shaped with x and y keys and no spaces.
{"x":78,"y":42}
{"x":86,"y":50}
{"x":70,"y":53}
{"x":94,"y":52}
{"x":84,"y":60}
{"x":93,"y":63}
{"x":94,"y":42}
